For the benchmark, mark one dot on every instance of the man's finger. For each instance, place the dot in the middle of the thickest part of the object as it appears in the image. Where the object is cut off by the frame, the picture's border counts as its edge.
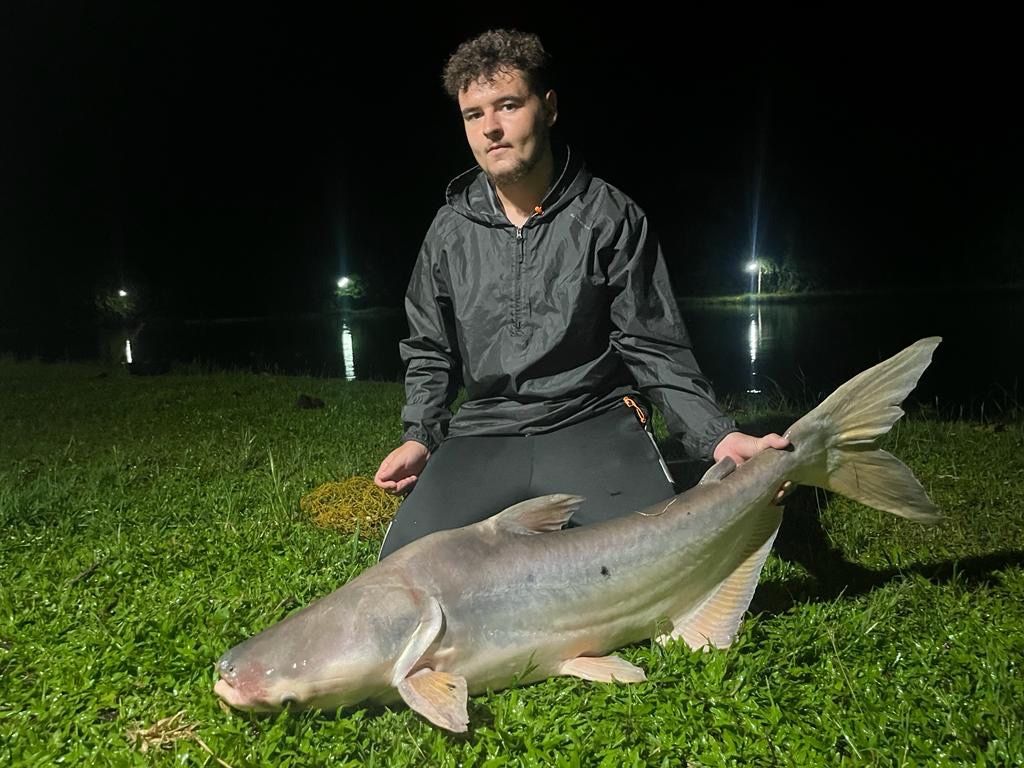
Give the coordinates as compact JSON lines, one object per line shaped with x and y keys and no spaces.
{"x":405,"y":484}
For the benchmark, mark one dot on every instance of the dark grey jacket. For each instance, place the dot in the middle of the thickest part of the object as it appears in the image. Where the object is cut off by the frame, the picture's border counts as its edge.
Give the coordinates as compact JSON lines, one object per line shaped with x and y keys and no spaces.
{"x":548,"y":324}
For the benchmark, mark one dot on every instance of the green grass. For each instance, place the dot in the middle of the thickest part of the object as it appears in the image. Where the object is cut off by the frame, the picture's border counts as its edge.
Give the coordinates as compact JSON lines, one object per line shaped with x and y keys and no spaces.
{"x":148,"y":524}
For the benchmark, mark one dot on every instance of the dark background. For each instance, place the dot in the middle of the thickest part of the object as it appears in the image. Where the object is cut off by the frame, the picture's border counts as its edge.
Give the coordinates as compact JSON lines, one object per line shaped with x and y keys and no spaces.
{"x":236,"y":160}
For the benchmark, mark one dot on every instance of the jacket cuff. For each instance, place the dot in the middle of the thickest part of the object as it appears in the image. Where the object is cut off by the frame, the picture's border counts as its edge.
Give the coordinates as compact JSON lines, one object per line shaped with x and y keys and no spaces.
{"x":720,"y":438}
{"x":703,"y":446}
{"x":421,"y":435}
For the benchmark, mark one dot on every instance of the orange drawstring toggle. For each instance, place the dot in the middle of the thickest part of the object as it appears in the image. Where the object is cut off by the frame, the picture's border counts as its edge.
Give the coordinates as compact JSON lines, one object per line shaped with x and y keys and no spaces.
{"x":629,"y":401}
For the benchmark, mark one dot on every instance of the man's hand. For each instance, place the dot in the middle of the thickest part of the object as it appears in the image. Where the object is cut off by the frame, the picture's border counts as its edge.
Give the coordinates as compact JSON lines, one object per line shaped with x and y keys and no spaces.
{"x":740,"y":447}
{"x":401,"y":469}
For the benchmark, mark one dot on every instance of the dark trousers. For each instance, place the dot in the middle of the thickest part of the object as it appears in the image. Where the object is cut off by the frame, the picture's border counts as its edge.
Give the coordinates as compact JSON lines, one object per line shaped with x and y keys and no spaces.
{"x":611,"y":460}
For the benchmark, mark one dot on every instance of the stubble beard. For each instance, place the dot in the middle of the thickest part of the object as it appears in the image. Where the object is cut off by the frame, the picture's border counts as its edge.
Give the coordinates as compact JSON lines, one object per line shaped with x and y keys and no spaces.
{"x":525,"y":166}
{"x":515,"y":174}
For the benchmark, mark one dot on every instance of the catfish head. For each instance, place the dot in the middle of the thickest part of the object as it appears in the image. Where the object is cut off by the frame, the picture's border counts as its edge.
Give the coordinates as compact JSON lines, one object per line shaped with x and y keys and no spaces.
{"x":339,"y":651}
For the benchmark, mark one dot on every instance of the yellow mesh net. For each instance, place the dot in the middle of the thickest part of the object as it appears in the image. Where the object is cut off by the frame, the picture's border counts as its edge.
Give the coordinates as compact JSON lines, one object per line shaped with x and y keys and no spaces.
{"x":351,"y":505}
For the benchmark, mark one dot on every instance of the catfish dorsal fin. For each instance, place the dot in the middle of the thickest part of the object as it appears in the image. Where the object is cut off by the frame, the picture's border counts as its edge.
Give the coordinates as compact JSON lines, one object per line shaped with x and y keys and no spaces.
{"x":718,"y":471}
{"x":537,"y":515}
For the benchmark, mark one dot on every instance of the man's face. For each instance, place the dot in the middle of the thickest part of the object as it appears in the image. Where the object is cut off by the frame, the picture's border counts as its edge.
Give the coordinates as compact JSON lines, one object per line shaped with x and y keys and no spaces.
{"x":507,"y":125}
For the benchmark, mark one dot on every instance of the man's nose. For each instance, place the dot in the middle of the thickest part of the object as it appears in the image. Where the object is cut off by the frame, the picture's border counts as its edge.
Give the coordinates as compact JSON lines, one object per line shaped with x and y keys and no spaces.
{"x":492,"y":127}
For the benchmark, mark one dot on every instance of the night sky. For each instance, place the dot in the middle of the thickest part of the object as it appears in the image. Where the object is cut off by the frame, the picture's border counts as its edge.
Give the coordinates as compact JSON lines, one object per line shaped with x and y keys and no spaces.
{"x":235,"y":162}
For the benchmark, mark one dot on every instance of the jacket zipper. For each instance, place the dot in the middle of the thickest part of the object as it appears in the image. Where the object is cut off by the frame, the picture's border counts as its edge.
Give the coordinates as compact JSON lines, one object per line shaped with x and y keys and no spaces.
{"x":517,"y":278}
{"x":517,"y":299}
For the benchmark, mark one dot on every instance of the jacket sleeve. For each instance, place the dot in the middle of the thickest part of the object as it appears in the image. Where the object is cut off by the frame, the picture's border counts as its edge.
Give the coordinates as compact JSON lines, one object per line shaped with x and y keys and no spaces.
{"x":649,"y":335}
{"x":430,"y":353}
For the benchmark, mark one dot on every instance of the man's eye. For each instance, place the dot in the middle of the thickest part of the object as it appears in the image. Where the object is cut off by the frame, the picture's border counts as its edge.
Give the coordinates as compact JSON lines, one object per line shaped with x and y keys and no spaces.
{"x":508,"y":106}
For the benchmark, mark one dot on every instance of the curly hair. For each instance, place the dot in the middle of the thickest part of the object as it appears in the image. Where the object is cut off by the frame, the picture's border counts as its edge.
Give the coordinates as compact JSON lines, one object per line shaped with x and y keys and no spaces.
{"x":496,"y":51}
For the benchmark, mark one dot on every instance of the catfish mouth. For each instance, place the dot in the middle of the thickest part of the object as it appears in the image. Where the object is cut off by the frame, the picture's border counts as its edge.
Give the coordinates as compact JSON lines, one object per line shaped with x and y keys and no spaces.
{"x":242,"y":687}
{"x":231,"y":695}
{"x":253,"y":686}
{"x":256,"y":701}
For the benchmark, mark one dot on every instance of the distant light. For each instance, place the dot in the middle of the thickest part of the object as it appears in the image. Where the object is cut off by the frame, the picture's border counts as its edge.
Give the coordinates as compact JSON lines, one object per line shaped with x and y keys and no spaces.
{"x":122,"y":293}
{"x":344,"y":282}
{"x":752,"y":266}
{"x":128,"y":351}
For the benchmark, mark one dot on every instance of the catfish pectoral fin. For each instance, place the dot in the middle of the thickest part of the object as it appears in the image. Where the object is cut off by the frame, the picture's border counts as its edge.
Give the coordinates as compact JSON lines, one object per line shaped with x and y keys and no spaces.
{"x":438,"y":696}
{"x":603,"y":669}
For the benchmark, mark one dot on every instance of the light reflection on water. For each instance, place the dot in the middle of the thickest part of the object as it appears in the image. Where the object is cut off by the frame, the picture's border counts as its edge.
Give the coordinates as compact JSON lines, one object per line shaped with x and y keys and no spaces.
{"x":754,"y":343}
{"x":348,"y":357}
{"x":349,"y":346}
{"x":800,"y":349}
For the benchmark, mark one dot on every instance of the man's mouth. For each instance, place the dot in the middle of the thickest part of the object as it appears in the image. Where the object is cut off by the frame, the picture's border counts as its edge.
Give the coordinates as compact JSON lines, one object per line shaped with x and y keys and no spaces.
{"x":497,"y":147}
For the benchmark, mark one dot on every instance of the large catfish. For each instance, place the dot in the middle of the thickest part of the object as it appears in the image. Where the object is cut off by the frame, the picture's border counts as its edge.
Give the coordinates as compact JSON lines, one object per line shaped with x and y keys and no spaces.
{"x":516,"y":598}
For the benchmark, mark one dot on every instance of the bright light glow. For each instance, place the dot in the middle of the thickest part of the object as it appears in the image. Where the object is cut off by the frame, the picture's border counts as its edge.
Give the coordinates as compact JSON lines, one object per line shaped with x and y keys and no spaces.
{"x":752,"y":266}
{"x":347,"y":355}
{"x":128,"y":351}
{"x":344,"y":282}
{"x":122,"y":293}
{"x":753,"y":337}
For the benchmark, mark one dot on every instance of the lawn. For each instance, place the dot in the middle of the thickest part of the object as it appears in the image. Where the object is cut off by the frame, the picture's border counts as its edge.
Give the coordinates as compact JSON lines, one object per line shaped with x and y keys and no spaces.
{"x":149,"y":523}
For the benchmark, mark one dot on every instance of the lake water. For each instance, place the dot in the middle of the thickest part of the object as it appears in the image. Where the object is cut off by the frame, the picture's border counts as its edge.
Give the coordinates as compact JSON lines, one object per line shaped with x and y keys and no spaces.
{"x":803,"y":349}
{"x":806,"y":349}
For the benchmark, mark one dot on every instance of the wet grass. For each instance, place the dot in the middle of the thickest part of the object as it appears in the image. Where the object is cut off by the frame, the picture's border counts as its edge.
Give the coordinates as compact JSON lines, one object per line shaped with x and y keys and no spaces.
{"x":150,"y":523}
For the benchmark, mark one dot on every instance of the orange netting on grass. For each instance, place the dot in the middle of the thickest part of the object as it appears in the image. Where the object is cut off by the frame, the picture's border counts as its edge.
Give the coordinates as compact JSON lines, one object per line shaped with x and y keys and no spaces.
{"x":352,"y":505}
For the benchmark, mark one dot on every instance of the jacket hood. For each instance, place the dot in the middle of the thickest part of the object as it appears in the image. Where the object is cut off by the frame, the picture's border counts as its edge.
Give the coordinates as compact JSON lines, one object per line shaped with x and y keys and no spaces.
{"x":472,"y":195}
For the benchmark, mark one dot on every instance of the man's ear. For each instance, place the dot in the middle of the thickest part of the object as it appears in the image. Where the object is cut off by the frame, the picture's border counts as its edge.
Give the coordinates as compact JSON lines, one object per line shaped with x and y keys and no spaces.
{"x":551,"y":107}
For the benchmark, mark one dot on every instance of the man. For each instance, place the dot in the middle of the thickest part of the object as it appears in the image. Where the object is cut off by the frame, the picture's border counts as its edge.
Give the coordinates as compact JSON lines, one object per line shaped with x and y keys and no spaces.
{"x":542,"y":289}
